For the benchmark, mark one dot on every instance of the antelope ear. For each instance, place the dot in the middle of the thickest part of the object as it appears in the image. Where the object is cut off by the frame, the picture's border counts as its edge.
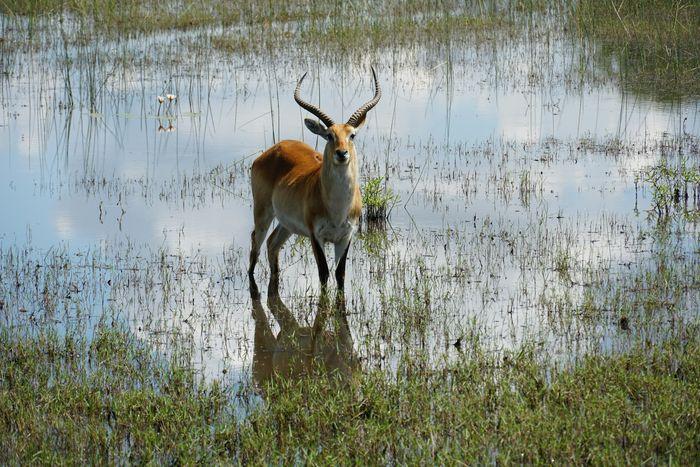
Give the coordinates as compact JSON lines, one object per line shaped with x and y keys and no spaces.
{"x":316,"y":127}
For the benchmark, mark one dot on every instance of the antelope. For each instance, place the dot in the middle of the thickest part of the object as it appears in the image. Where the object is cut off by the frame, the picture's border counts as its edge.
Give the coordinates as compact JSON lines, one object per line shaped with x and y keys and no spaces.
{"x":314,"y":195}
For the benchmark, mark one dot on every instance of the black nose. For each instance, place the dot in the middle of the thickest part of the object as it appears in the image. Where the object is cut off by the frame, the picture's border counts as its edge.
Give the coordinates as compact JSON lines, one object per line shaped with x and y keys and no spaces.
{"x":341,"y":154}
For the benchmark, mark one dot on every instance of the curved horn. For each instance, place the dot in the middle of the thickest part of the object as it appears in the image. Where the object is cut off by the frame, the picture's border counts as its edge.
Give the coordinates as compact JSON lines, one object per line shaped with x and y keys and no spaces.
{"x":328,"y":121}
{"x":362,"y":111}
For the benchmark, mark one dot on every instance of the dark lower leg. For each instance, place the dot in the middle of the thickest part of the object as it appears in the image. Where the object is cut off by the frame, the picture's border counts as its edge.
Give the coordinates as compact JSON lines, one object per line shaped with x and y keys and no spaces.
{"x":274,"y":244}
{"x":340,"y":270}
{"x":320,"y":262}
{"x":274,"y":286}
{"x":262,"y":223}
{"x":254,"y":253}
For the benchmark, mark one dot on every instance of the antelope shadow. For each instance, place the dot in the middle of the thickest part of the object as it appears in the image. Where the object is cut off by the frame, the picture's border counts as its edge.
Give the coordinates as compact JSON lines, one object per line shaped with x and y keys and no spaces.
{"x":302,"y":351}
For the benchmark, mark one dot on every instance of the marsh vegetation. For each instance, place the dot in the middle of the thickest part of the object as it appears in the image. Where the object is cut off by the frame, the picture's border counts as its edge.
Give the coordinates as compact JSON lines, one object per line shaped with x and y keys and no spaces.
{"x":525,"y":287}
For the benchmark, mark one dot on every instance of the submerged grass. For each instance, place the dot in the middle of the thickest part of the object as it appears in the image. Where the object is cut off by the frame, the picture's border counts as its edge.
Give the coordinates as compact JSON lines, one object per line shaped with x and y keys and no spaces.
{"x":369,"y":32}
{"x":64,"y":400}
{"x":652,"y":46}
{"x":116,"y":17}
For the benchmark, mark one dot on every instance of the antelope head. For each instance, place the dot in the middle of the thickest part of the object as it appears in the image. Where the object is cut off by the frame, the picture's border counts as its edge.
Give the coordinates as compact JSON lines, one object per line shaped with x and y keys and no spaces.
{"x":340,"y":146}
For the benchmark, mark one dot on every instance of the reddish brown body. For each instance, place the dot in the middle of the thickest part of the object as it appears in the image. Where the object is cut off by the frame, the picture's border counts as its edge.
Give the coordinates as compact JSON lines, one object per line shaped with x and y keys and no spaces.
{"x":311,"y":194}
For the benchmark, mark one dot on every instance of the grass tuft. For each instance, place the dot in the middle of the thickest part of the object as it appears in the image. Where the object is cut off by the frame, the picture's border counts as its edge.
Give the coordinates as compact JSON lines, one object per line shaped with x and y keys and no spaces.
{"x":377,"y":200}
{"x":675,"y":189}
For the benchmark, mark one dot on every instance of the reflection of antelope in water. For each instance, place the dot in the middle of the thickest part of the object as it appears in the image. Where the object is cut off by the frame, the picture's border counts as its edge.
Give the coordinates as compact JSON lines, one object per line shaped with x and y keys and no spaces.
{"x":298,"y":351}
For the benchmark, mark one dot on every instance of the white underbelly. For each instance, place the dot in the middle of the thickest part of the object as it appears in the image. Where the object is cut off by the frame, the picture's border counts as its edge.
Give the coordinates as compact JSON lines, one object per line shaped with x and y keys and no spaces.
{"x":329,"y":232}
{"x":325,"y":230}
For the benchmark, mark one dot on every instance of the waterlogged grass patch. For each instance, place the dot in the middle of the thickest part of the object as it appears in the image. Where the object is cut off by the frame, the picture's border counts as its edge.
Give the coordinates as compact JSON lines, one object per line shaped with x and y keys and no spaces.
{"x":675,"y":189}
{"x":64,"y":400}
{"x":263,"y":28}
{"x":147,"y":16}
{"x":377,"y":200}
{"x":115,"y":17}
{"x":652,"y":46}
{"x":371,"y":31}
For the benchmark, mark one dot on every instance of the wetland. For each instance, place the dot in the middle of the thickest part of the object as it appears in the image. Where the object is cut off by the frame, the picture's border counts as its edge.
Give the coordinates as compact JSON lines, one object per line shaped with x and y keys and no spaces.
{"x":524,"y":285}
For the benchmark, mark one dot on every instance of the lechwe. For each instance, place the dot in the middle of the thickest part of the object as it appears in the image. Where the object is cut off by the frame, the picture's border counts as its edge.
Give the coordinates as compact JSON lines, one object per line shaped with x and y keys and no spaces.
{"x":309,"y":194}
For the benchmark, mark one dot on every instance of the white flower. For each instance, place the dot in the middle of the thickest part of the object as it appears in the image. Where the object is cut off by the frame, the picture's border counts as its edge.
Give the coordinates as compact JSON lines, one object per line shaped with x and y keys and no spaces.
{"x":171,"y":97}
{"x":161,"y":99}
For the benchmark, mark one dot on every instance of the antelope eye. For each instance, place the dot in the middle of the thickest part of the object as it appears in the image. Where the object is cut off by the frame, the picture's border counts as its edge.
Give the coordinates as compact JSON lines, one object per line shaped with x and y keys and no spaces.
{"x":352,"y":136}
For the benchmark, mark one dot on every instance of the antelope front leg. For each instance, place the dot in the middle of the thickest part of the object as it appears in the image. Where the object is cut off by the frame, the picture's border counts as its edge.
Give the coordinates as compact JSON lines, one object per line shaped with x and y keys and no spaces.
{"x":321,"y":263}
{"x":341,"y":256}
{"x":274,"y":243}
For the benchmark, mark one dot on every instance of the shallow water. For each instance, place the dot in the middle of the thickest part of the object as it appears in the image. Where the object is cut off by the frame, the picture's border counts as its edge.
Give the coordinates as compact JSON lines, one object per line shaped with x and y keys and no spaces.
{"x":148,"y":208}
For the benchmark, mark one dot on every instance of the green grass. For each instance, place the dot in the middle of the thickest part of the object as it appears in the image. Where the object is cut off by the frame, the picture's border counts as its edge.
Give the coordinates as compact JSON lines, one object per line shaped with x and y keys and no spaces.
{"x":368,"y":32}
{"x":129,"y":16}
{"x":377,"y":200}
{"x":62,"y":400}
{"x":675,"y":189}
{"x":114,"y":16}
{"x":652,"y":46}
{"x":269,"y":28}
